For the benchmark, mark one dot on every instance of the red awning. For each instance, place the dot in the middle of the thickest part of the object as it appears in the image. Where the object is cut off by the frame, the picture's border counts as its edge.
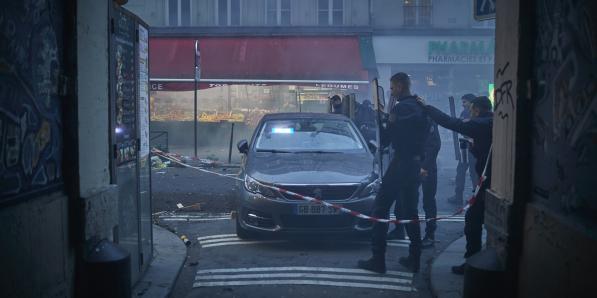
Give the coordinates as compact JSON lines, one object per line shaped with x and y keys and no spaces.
{"x":256,"y":60}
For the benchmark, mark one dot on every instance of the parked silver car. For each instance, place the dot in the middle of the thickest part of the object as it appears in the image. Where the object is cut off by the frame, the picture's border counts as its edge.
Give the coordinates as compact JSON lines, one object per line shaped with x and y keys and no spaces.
{"x":318,"y":155}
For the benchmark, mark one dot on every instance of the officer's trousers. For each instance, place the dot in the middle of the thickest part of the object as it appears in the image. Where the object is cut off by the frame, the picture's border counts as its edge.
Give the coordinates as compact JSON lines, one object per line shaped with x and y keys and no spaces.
{"x":401,"y":184}
{"x":429,"y":186}
{"x":473,"y":224}
{"x":461,"y":170}
{"x":429,"y":189}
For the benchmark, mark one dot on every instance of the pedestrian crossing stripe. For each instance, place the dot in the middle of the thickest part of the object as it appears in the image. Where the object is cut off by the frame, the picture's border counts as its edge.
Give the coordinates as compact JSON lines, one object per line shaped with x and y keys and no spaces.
{"x":303,"y":276}
{"x":323,"y":276}
{"x":302,"y":268}
{"x":232,"y":239}
{"x":239,"y":242}
{"x":216,"y":236}
{"x":303,"y":282}
{"x":199,"y":216}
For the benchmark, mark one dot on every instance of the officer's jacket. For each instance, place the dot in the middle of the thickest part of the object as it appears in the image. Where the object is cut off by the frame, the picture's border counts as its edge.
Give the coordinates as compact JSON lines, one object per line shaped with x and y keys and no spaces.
{"x":432,"y":147}
{"x":479,"y":129}
{"x":407,"y":130}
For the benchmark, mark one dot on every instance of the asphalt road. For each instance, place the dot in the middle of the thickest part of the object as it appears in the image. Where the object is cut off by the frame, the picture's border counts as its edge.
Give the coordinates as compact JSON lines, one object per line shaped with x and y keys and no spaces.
{"x":172,"y":186}
{"x":221,"y":265}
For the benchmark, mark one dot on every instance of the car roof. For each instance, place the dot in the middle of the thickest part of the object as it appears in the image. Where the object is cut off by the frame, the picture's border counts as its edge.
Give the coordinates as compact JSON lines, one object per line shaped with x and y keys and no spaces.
{"x":284,"y":116}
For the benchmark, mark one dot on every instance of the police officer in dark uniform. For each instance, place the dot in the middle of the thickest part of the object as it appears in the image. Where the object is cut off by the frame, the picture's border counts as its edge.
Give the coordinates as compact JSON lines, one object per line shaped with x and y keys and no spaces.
{"x":479,"y":128}
{"x":365,"y":120}
{"x":407,"y":131}
{"x":429,"y":188}
{"x":336,"y":102}
{"x":429,"y":184}
{"x":467,"y":161}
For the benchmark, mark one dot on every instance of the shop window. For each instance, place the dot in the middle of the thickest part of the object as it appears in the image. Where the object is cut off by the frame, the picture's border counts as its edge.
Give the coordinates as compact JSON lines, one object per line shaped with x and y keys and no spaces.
{"x":178,"y":12}
{"x":331,"y":12}
{"x":277,"y":12}
{"x":284,"y":12}
{"x":235,"y":12}
{"x":417,"y":13}
{"x":228,"y":12}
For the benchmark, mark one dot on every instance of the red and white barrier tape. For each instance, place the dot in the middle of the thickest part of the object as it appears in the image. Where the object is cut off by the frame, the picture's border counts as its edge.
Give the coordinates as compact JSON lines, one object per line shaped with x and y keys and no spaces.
{"x":469,"y":203}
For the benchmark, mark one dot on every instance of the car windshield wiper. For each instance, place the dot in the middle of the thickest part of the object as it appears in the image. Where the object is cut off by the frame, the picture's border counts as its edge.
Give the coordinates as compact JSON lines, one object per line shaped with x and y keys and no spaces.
{"x":317,"y":151}
{"x":273,"y":151}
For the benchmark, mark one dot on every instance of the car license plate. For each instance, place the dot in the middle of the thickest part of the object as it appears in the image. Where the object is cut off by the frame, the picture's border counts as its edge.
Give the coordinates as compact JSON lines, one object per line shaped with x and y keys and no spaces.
{"x":314,"y":209}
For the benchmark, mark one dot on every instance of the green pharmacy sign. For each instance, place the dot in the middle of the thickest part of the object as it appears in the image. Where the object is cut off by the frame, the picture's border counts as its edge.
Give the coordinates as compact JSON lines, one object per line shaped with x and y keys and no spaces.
{"x":461,"y":52}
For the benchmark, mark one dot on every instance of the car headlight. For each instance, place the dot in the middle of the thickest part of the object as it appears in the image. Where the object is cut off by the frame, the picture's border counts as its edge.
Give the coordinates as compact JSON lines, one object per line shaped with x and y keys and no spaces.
{"x":371,"y":188}
{"x":252,"y":186}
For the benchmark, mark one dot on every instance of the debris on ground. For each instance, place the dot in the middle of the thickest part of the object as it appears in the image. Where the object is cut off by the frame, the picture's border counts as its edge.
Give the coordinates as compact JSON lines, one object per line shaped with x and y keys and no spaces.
{"x":208,"y":162}
{"x":157,"y":163}
{"x":185,"y":239}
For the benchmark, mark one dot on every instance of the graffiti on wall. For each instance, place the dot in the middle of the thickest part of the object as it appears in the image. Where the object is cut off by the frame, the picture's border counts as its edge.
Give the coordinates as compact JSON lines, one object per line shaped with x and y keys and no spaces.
{"x":565,"y":107}
{"x":503,"y":100}
{"x":30,"y":69}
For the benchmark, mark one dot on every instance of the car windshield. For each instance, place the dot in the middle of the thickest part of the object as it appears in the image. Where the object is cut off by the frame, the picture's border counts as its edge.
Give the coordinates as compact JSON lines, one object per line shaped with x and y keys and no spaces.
{"x":308,"y":135}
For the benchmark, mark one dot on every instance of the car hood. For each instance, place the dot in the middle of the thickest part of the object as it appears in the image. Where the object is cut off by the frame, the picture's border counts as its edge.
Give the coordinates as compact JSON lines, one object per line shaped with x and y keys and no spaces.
{"x":310,"y":168}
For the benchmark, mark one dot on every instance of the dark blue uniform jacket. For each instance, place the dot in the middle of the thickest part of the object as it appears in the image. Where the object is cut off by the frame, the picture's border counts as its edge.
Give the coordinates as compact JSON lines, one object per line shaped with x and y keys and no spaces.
{"x":479,"y":129}
{"x":408,"y":131}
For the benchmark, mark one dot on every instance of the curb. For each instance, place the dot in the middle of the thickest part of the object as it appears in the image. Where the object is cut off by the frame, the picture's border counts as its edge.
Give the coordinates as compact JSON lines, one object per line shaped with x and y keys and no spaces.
{"x":169,"y":255}
{"x":445,"y":284}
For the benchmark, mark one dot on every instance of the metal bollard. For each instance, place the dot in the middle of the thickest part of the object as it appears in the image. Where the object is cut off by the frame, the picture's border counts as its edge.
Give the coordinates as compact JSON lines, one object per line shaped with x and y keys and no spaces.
{"x":109,"y":271}
{"x":484,"y":276}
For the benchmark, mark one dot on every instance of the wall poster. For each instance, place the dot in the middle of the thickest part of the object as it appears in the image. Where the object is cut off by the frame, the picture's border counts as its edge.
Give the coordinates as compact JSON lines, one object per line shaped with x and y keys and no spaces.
{"x":125,"y":124}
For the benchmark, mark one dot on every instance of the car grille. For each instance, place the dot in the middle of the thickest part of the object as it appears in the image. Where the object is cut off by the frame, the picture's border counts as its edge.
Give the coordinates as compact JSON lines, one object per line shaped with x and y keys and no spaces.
{"x":316,"y":221}
{"x":324,"y":192}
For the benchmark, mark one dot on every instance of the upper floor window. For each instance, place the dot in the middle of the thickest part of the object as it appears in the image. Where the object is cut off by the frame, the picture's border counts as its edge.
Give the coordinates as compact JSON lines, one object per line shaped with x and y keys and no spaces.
{"x":417,"y":13}
{"x":228,"y":12}
{"x":277,"y":12}
{"x":178,"y":12}
{"x":331,"y":12}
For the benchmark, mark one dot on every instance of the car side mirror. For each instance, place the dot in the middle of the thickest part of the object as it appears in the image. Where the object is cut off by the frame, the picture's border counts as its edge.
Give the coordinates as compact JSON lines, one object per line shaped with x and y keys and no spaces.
{"x":243,"y":146}
{"x":373,"y":146}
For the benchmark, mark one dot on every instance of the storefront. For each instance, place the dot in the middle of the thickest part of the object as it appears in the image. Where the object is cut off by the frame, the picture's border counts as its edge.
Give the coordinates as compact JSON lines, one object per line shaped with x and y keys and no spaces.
{"x":243,"y":78}
{"x":440,"y":66}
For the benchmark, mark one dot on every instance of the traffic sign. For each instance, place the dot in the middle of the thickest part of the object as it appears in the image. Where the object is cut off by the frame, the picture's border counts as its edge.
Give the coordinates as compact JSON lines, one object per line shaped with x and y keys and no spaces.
{"x":484,"y":9}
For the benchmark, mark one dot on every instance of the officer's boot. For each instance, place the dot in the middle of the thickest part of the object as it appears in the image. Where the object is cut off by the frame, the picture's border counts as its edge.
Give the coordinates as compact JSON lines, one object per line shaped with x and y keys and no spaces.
{"x":377,"y":263}
{"x":412,"y":263}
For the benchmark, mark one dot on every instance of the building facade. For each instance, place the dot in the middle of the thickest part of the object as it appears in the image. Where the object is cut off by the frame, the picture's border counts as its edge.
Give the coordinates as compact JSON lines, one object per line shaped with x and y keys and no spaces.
{"x":264,"y":13}
{"x":346,"y":43}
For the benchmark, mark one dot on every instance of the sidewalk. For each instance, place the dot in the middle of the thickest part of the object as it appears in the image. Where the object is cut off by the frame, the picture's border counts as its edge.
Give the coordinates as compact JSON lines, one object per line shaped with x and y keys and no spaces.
{"x":169,"y":256}
{"x":444,"y":283}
